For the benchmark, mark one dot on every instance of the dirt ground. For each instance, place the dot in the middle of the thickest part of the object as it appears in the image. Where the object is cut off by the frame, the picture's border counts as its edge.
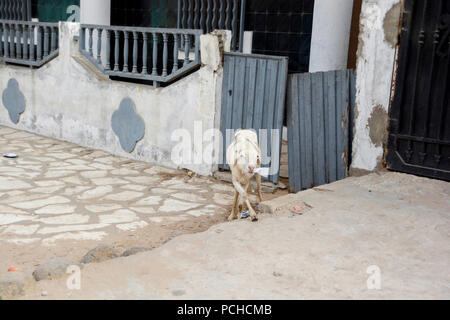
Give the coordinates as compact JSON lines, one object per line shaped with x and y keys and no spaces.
{"x":391,"y":227}
{"x":27,"y":257}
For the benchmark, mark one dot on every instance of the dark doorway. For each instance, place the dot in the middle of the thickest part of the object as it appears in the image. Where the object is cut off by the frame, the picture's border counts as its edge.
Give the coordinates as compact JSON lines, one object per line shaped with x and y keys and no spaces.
{"x":419,"y":139}
{"x":144,"y":13}
{"x":282,"y":28}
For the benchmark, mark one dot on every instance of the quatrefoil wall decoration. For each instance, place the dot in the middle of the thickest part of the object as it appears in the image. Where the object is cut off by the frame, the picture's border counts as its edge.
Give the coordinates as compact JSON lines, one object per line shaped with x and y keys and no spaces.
{"x":128,"y":125}
{"x":13,"y":100}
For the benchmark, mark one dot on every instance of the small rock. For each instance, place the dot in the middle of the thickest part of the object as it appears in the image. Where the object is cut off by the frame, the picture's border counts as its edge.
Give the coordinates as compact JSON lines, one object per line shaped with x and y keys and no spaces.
{"x":100,"y":253}
{"x":173,"y":235}
{"x":52,"y":269}
{"x":277,"y":274}
{"x":135,"y":250}
{"x":13,"y":284}
{"x":178,"y":293}
{"x":44,"y":293}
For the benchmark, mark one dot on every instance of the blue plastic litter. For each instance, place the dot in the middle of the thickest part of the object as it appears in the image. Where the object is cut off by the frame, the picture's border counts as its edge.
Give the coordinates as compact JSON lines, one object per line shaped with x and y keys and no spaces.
{"x":245,"y":214}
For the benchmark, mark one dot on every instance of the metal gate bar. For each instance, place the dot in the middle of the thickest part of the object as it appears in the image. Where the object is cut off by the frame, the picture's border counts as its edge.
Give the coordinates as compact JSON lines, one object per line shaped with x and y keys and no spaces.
{"x":15,"y":10}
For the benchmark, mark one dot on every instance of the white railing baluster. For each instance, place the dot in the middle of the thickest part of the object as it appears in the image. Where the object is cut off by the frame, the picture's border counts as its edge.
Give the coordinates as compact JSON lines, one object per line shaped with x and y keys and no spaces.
{"x":12,"y":35}
{"x":135,"y":52}
{"x":144,"y":53}
{"x":165,"y":54}
{"x":91,"y":41}
{"x":46,"y":42}
{"x":175,"y":52}
{"x":116,"y":50}
{"x":187,"y":45}
{"x":25,"y":42}
{"x":6,"y":40}
{"x":125,"y":52}
{"x":155,"y":55}
{"x":53,"y":39}
{"x":108,"y":51}
{"x":32,"y":43}
{"x":99,"y":46}
{"x":39,"y":43}
{"x":18,"y":43}
{"x":1,"y":35}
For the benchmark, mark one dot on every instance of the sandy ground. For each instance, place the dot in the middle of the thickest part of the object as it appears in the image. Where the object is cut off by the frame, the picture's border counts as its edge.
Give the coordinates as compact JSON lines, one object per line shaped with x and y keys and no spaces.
{"x":61,"y":200}
{"x":395,"y":224}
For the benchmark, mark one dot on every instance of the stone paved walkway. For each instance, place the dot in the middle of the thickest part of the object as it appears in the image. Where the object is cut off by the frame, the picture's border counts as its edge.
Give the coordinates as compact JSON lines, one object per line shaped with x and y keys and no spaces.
{"x":58,"y":191}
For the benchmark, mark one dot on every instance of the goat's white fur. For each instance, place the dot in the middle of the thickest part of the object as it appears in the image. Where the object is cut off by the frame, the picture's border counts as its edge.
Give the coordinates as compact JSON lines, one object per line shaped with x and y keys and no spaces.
{"x":243,"y":155}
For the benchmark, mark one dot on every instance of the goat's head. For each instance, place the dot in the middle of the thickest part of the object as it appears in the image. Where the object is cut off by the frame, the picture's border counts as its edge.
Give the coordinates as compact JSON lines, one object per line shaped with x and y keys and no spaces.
{"x":247,"y":158}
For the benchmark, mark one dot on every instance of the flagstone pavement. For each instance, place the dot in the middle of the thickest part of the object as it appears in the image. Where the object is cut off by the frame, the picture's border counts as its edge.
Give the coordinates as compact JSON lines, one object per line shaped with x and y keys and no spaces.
{"x":57,"y":191}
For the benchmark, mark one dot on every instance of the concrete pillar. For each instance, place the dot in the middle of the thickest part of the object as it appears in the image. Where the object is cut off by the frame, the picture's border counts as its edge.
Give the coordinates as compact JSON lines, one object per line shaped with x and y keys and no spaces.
{"x":379,"y":28}
{"x":96,"y":12}
{"x":330,"y":35}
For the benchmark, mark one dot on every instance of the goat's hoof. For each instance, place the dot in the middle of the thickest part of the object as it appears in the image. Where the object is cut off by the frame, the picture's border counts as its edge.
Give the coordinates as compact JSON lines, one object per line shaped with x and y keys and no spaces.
{"x":254,"y":218}
{"x":232,"y":217}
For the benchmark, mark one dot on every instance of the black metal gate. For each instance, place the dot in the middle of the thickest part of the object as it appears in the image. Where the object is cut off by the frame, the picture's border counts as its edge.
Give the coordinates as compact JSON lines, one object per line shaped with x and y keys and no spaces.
{"x":15,"y":10}
{"x":419,"y":139}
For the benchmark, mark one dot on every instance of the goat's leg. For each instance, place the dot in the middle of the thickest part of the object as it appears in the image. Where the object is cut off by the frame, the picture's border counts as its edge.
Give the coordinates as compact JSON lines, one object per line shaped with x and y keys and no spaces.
{"x":233,"y":214}
{"x":244,"y":196}
{"x":250,"y":208}
{"x":252,"y":212}
{"x":258,"y":183}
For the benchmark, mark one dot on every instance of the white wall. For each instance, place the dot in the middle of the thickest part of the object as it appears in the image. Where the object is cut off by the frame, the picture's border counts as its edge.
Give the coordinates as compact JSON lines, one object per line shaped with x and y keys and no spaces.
{"x":330,"y":35}
{"x":375,"y":64}
{"x":67,"y":100}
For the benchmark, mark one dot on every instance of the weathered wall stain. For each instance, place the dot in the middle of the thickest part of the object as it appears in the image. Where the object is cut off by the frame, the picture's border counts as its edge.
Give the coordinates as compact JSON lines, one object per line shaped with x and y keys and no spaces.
{"x":13,"y":100}
{"x":128,"y":125}
{"x":391,"y":24}
{"x":378,"y":123}
{"x":379,"y":25}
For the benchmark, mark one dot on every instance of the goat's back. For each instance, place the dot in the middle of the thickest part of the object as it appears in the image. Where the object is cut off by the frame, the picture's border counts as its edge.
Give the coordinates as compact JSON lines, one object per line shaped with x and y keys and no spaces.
{"x":245,"y":144}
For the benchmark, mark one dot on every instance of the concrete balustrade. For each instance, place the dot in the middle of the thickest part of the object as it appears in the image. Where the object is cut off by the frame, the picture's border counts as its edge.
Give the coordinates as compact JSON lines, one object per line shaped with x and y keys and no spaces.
{"x":28,"y":43}
{"x":131,"y":40}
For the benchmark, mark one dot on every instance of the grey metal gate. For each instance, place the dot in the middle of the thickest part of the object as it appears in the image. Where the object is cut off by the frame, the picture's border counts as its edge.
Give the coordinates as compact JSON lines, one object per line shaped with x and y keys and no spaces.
{"x":319,"y":117}
{"x":253,"y":97}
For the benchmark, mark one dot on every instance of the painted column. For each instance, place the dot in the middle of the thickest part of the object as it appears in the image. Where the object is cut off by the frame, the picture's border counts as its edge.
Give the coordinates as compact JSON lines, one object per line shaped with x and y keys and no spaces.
{"x":379,"y":28}
{"x":96,"y":12}
{"x":330,"y":35}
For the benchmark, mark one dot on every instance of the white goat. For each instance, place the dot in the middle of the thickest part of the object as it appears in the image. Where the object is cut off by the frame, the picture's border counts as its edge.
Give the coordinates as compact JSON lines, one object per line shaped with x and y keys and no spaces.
{"x":243,"y":157}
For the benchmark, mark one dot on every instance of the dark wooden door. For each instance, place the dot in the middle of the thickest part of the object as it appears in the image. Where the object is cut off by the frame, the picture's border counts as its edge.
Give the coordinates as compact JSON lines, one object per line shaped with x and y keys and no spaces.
{"x":419,"y":139}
